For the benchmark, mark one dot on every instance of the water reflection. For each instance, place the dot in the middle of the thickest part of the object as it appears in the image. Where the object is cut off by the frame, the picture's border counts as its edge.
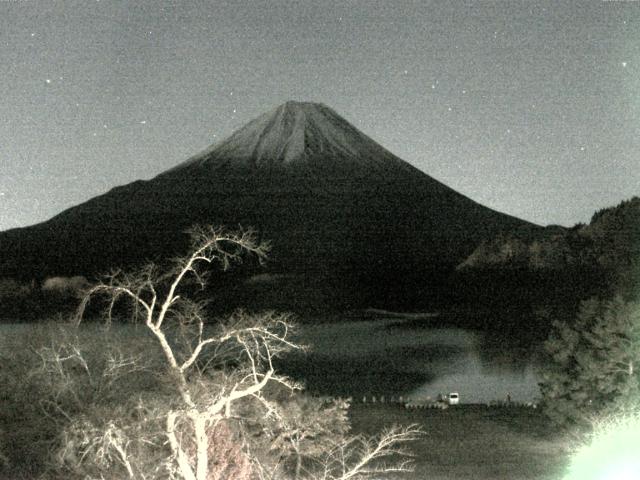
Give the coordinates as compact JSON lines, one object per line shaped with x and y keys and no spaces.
{"x":478,"y":384}
{"x":387,"y":357}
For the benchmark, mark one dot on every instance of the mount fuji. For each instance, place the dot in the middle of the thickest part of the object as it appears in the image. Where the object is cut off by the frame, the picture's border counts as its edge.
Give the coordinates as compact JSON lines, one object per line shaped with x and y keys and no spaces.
{"x":344,"y":215}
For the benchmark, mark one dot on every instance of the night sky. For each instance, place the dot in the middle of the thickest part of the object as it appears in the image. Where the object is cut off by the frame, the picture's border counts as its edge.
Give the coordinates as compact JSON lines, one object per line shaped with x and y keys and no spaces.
{"x":531,"y":108}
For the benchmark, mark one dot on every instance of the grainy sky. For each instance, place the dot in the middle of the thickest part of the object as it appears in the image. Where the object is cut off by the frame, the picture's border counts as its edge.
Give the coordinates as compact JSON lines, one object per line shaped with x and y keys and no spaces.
{"x":531,"y":108}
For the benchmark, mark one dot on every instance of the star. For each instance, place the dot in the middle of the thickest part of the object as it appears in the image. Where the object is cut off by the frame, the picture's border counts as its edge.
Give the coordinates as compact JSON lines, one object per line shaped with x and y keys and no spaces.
{"x":624,"y":64}
{"x":48,"y":80}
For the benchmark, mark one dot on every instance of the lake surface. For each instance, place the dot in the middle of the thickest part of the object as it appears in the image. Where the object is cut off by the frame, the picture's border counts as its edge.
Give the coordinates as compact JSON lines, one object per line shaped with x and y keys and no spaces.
{"x":398,"y":357}
{"x":393,"y":357}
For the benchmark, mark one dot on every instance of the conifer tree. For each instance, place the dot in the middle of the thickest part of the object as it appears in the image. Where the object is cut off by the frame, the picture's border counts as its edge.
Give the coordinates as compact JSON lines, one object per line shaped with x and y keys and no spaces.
{"x":592,"y":362}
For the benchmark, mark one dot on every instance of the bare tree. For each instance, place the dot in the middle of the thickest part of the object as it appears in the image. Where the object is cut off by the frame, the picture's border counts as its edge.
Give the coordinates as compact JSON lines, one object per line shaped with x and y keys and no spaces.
{"x":157,"y":300}
{"x":213,"y":370}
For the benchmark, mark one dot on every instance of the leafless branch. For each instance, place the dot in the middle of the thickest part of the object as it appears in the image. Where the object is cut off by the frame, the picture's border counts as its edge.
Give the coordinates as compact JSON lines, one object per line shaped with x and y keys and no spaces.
{"x":361,"y":457}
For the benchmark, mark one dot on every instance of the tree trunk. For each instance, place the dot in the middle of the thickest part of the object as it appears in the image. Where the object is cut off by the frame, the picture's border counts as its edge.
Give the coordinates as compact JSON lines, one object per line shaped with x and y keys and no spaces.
{"x":202,"y":447}
{"x":298,"y":462}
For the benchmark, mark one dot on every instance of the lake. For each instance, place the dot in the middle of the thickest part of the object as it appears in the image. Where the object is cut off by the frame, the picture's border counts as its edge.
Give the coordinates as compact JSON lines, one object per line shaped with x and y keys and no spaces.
{"x":393,"y":357}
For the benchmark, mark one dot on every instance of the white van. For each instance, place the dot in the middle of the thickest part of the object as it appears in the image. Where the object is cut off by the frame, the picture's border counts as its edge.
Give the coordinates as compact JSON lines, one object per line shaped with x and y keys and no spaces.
{"x":453,"y":398}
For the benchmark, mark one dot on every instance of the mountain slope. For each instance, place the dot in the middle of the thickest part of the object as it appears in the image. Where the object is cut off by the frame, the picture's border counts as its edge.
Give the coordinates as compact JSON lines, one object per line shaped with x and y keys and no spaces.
{"x":335,"y":204}
{"x":609,"y":244}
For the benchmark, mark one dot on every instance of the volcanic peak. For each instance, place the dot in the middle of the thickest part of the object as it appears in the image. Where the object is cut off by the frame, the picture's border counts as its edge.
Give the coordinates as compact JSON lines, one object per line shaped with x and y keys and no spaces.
{"x":294,"y":132}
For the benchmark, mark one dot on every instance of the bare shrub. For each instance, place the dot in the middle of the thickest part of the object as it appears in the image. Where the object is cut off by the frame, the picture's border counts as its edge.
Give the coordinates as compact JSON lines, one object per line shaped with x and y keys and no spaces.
{"x":12,"y":289}
{"x":65,"y":286}
{"x":361,"y":457}
{"x":52,"y":375}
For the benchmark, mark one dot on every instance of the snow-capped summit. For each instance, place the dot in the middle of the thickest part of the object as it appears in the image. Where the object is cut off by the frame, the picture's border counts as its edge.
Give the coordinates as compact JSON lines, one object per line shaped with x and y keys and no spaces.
{"x":293,"y":133}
